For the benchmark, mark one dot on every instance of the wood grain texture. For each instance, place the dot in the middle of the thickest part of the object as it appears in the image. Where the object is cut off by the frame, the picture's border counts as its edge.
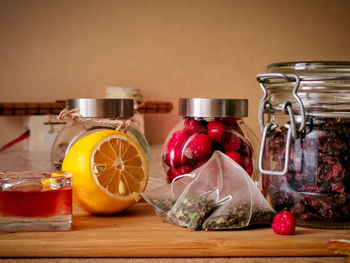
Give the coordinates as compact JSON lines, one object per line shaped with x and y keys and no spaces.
{"x":138,"y":232}
{"x":40,"y":108}
{"x":180,"y":260}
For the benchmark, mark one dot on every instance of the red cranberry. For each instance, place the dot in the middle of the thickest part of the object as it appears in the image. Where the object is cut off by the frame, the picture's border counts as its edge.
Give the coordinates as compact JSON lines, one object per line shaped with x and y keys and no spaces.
{"x":246,"y":161}
{"x":284,"y":223}
{"x":175,"y":172}
{"x":249,"y":170}
{"x":231,"y":143}
{"x":174,"y":157}
{"x":193,"y":126}
{"x":235,"y":127}
{"x":228,"y":120}
{"x":216,"y":131}
{"x":179,"y":138}
{"x":235,"y":156}
{"x":199,"y":147}
{"x":245,"y":150}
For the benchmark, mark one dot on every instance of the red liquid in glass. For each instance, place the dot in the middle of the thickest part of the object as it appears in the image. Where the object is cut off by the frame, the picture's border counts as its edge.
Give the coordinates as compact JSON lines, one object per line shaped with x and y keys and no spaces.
{"x":36,"y":203}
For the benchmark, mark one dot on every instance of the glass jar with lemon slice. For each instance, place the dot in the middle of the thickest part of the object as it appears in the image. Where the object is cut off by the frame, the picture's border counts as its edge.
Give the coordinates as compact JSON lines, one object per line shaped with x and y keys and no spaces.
{"x":106,"y":154}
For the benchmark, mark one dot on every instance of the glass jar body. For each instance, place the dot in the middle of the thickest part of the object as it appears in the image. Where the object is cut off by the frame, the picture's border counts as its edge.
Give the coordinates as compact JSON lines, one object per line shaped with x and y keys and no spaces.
{"x":72,"y":132}
{"x":316,"y":187}
{"x":307,"y":104}
{"x":191,"y":143}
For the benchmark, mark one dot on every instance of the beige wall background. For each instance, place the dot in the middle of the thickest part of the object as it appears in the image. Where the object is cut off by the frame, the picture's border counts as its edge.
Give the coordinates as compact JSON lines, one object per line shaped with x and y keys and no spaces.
{"x":59,"y":49}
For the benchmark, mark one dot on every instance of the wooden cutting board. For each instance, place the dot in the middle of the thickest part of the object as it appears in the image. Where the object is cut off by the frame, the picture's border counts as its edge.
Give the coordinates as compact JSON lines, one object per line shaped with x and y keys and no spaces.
{"x":140,"y":233}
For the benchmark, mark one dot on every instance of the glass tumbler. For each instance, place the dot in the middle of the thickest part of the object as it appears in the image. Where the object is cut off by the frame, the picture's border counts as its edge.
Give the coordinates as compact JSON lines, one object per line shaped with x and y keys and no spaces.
{"x":35,"y":201}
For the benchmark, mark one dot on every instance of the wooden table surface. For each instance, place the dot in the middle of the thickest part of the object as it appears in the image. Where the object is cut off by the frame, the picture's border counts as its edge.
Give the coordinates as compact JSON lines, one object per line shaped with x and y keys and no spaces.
{"x":138,"y":232}
{"x":138,"y":235}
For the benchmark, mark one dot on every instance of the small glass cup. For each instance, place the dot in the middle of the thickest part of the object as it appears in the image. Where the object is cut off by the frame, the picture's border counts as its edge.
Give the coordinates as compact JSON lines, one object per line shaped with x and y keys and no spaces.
{"x":35,"y":201}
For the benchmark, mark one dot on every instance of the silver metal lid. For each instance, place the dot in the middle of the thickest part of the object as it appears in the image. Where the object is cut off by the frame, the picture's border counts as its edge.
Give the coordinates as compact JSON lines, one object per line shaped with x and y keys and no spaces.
{"x":103,"y":108}
{"x":205,"y":108}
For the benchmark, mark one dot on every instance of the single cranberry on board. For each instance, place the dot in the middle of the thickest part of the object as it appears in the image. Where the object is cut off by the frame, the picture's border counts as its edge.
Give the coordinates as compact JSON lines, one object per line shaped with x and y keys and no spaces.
{"x":284,"y":223}
{"x":175,"y":172}
{"x":199,"y":147}
{"x":193,"y":126}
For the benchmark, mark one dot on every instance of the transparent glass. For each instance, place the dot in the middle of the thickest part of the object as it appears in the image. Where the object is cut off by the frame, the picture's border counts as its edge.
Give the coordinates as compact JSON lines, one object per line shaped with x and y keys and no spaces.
{"x":316,"y":187}
{"x":35,"y":201}
{"x":311,"y":68}
{"x":192,"y":142}
{"x":324,"y":87}
{"x":72,"y":132}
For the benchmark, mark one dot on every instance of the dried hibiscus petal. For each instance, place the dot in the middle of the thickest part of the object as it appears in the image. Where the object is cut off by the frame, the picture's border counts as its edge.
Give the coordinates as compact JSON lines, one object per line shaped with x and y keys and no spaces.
{"x":317,"y":184}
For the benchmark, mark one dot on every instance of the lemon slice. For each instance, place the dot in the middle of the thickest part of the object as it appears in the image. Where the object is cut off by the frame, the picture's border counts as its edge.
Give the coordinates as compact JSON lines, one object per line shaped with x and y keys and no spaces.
{"x":109,"y":171}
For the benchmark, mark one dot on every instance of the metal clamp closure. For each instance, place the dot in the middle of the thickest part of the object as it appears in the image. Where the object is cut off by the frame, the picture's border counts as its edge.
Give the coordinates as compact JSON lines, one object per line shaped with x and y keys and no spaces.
{"x":265,"y":103}
{"x":268,"y":128}
{"x":265,"y":106}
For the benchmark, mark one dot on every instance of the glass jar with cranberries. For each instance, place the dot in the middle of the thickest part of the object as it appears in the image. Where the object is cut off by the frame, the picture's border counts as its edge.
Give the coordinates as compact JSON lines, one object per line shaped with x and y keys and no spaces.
{"x":210,"y":125}
{"x":305,"y":149}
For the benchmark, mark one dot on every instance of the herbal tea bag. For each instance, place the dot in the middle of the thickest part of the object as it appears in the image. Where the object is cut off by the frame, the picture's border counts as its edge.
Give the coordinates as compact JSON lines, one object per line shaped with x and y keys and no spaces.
{"x":200,"y":197}
{"x":164,"y":197}
{"x":218,"y":195}
{"x":189,"y":199}
{"x":243,"y":204}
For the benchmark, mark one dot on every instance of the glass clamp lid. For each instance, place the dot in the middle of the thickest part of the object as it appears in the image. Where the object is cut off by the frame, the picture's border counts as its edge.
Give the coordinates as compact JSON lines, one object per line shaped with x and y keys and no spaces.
{"x":305,"y":92}
{"x":207,"y":108}
{"x":314,"y":89}
{"x":311,"y":68}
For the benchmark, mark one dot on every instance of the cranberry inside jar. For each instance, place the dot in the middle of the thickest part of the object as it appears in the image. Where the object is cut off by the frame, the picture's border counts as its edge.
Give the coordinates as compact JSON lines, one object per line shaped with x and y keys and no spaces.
{"x":305,"y":150}
{"x":209,"y":125}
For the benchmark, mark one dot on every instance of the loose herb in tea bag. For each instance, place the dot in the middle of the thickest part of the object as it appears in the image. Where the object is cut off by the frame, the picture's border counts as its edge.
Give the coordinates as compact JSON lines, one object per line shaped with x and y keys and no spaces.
{"x":219,"y":195}
{"x":200,"y":197}
{"x":234,"y":217}
{"x":162,"y":207}
{"x":191,"y":213}
{"x":246,"y":206}
{"x":189,"y":200}
{"x":164,"y":197}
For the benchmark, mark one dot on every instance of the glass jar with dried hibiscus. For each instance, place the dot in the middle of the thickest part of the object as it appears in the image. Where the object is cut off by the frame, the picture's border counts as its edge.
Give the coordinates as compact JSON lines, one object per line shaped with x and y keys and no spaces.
{"x":209,"y":125}
{"x":305,"y":148}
